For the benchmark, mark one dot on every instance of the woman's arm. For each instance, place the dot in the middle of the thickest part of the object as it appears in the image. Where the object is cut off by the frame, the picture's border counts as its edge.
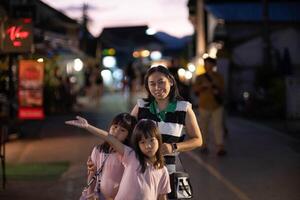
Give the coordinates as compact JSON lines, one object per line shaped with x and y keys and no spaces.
{"x":193,"y":131}
{"x":83,"y":123}
{"x":135,"y":111}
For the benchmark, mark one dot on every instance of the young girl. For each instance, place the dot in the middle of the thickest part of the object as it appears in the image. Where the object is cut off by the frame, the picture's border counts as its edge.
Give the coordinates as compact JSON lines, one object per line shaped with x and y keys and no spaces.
{"x":145,"y":176}
{"x":121,"y":128}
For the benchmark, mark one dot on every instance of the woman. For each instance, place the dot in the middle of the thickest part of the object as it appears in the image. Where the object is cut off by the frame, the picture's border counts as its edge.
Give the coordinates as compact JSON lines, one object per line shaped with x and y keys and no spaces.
{"x":165,"y":106}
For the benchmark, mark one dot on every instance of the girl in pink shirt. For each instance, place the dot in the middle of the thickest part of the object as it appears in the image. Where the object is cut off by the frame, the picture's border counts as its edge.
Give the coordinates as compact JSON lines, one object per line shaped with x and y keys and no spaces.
{"x":145,"y":177}
{"x":121,"y":128}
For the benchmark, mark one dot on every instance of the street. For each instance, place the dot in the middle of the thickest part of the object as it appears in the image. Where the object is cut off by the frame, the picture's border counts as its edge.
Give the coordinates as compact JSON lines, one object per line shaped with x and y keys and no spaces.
{"x":261,"y":163}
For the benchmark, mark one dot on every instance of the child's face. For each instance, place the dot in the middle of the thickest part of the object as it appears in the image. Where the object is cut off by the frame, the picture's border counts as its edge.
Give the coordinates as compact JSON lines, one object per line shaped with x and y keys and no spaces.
{"x":118,"y":132}
{"x":159,"y":85}
{"x":148,"y":146}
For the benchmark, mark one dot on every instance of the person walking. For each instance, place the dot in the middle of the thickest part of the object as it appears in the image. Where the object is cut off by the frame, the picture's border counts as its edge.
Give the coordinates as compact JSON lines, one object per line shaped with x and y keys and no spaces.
{"x":210,"y":90}
{"x":165,"y":106}
{"x":145,"y":176}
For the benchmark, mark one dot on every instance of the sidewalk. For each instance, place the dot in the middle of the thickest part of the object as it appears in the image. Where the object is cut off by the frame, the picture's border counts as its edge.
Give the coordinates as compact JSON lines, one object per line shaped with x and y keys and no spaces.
{"x":59,"y":142}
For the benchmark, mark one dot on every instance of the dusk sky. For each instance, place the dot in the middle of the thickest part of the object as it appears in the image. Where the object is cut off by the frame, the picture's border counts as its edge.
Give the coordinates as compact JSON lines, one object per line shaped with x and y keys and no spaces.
{"x":170,"y":16}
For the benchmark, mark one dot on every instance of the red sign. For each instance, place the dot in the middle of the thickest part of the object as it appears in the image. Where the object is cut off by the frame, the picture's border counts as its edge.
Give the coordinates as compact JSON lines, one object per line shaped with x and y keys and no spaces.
{"x":17,"y":36}
{"x":31,"y":78}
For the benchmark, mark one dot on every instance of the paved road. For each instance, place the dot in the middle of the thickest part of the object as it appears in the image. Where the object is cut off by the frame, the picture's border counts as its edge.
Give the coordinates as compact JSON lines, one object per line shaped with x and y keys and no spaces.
{"x":261,"y":164}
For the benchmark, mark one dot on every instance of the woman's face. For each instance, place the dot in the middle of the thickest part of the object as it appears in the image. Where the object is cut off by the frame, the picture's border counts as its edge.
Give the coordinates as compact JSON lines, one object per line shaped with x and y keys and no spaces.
{"x":118,"y":132}
{"x":148,"y":146}
{"x":159,"y":85}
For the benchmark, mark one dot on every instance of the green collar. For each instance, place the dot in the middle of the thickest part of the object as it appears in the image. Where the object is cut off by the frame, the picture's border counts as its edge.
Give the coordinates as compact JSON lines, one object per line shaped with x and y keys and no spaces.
{"x":162,"y":114}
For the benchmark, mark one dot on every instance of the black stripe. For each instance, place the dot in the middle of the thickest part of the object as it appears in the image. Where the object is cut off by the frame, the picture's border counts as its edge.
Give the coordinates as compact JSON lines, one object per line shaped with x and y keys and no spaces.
{"x":171,"y":138}
{"x":169,"y":160}
{"x":177,"y":117}
{"x":144,"y":113}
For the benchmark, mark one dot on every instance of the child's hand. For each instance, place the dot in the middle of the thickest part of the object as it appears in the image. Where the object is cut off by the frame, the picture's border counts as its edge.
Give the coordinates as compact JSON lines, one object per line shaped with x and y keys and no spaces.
{"x":80,"y":122}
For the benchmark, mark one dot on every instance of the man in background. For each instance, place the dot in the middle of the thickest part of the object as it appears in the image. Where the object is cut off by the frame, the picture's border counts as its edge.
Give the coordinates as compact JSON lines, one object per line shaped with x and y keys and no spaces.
{"x":209,"y":88}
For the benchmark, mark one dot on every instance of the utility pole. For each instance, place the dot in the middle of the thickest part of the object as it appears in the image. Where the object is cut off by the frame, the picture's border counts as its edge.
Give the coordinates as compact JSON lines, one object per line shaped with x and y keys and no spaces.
{"x":266,"y":36}
{"x":200,"y":29}
{"x":84,"y":30}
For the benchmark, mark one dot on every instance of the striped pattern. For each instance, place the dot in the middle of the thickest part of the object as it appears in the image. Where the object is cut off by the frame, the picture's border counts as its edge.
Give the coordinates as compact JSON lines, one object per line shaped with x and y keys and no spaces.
{"x":171,"y":127}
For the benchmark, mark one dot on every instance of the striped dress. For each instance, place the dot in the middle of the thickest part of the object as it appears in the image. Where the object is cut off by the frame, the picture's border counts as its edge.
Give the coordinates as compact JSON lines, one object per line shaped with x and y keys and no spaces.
{"x":170,"y":128}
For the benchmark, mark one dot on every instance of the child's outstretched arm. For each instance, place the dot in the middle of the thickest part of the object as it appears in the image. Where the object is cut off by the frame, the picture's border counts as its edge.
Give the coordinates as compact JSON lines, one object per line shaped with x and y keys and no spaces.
{"x":83,"y":123}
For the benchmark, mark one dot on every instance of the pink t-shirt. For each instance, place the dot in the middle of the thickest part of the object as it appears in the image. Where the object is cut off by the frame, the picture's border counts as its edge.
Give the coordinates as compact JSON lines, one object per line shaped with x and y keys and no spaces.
{"x":112,"y":172}
{"x":141,"y":186}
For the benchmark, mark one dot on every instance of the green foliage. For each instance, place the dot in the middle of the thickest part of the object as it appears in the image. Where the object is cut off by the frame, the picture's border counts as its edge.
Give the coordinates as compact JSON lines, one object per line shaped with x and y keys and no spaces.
{"x":36,"y":171}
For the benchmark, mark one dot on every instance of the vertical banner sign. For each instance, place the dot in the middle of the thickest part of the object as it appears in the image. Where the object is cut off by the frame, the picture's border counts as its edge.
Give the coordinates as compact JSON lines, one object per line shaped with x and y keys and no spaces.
{"x":31,"y":78}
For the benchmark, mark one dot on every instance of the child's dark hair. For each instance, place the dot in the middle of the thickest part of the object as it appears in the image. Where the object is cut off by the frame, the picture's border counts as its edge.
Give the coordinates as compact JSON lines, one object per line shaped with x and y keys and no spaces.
{"x":126,"y":121}
{"x":174,"y":93}
{"x":147,"y":128}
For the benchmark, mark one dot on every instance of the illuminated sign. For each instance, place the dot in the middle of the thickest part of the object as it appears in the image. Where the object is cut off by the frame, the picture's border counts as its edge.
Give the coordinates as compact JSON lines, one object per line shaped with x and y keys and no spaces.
{"x":30,"y":93}
{"x":17,"y":36}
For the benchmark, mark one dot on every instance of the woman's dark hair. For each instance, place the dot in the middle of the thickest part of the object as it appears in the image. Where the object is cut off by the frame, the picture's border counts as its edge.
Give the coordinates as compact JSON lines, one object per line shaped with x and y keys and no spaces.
{"x":146,"y":128}
{"x":174,"y":93}
{"x":124,"y":120}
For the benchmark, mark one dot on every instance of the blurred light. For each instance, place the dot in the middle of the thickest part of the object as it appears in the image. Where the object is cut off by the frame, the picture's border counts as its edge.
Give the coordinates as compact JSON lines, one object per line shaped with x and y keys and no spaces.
{"x":73,"y":79}
{"x":213,"y":52}
{"x":136,"y":54}
{"x":118,"y":74}
{"x":155,"y":55}
{"x":246,"y":95}
{"x":109,"y":52}
{"x":188,"y":74}
{"x":163,"y":63}
{"x":78,"y":65}
{"x":191,"y":67}
{"x":40,"y":60}
{"x":199,"y":63}
{"x":109,"y":61}
{"x":69,"y":68}
{"x":145,"y":53}
{"x":205,"y":55}
{"x":107,"y":76}
{"x":181,"y":72}
{"x":150,"y":31}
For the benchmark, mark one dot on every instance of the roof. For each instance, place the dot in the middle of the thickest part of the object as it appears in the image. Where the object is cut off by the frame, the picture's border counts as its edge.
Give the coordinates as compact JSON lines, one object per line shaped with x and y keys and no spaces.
{"x":235,"y":12}
{"x":128,"y":37}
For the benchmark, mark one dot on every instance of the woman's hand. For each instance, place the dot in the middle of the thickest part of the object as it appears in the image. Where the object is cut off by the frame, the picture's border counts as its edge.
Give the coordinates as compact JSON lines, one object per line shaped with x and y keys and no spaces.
{"x":79,"y":122}
{"x":166,"y":149}
{"x":91,"y":167}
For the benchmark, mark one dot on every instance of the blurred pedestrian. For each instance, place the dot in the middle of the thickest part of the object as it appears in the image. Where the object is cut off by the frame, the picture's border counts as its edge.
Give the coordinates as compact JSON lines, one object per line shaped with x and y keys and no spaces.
{"x":130,"y":82}
{"x":210,"y":90}
{"x":165,"y":106}
{"x":145,"y":176}
{"x":94,"y":86}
